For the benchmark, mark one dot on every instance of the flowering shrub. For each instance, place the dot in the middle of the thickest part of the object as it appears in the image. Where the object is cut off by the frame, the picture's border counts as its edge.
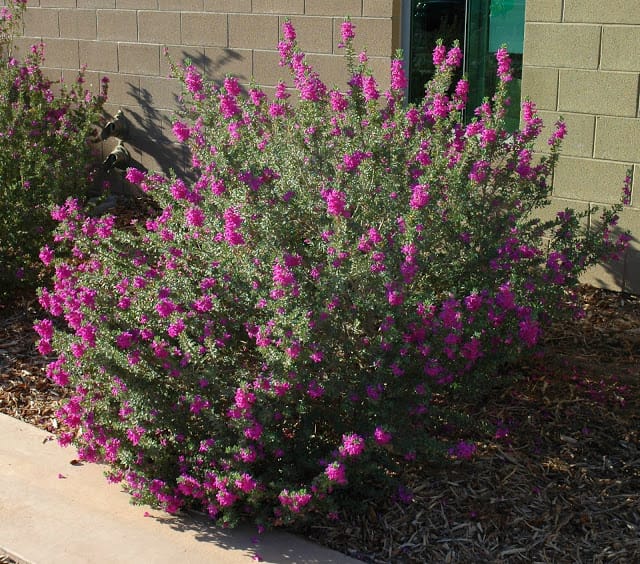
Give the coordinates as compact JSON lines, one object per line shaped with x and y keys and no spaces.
{"x":44,"y":154}
{"x":282,"y":335}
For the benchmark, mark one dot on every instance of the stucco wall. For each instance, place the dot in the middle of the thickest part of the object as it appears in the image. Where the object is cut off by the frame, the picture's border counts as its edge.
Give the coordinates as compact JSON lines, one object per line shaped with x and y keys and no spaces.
{"x":124,"y":40}
{"x":582,"y":62}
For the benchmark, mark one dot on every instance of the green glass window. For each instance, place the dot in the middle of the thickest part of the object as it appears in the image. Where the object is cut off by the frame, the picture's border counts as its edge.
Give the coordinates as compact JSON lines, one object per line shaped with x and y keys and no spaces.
{"x":482,"y":27}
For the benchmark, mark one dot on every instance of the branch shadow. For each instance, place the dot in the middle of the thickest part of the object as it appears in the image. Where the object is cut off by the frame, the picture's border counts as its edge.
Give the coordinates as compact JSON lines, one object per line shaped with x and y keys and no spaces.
{"x":620,"y":274}
{"x":271,"y":546}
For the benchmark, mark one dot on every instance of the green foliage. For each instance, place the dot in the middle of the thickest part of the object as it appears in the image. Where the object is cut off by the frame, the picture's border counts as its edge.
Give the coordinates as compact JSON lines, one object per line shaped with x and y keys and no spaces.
{"x":45,"y":157}
{"x":282,"y":336}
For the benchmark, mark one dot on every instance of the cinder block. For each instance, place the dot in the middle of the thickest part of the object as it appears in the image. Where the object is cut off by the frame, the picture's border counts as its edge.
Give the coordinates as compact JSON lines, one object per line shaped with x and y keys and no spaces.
{"x":543,"y":11}
{"x":61,"y":54}
{"x":314,"y":34}
{"x":58,"y":4}
{"x":632,"y":271}
{"x":139,"y":58}
{"x":162,"y":155}
{"x":618,"y":139}
{"x":556,"y":205}
{"x":621,"y":48}
{"x":225,"y":7}
{"x":204,"y":29}
{"x":21,"y":45}
{"x":137,"y":4}
{"x":580,"y":133}
{"x":92,"y":82}
{"x":253,"y":31}
{"x":160,"y":93}
{"x":378,"y":8}
{"x":182,"y":5}
{"x":609,"y":276}
{"x":598,"y":92}
{"x":562,"y":45}
{"x":540,"y":84}
{"x":352,"y":8}
{"x":178,"y":54}
{"x":588,"y":179}
{"x":78,"y":24}
{"x":235,"y":62}
{"x":159,"y":27}
{"x":99,"y":55}
{"x":599,"y":11}
{"x":41,"y":22}
{"x":283,"y":7}
{"x":117,"y":25}
{"x":373,"y":34}
{"x":630,"y":219}
{"x":96,"y":4}
{"x":124,"y":90}
{"x":266,"y":71}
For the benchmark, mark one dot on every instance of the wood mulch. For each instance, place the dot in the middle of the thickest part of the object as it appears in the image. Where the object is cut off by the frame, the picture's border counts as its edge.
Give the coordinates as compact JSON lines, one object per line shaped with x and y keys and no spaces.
{"x":559,"y":481}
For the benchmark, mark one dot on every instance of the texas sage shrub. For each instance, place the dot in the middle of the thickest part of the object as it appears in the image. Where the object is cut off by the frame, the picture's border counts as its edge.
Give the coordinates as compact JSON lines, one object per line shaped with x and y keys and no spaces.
{"x":44,"y":153}
{"x":280,"y":338}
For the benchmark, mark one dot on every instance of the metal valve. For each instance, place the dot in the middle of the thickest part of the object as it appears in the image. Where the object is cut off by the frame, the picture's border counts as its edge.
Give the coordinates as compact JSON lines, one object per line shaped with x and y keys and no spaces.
{"x":117,"y":127}
{"x":119,"y":159}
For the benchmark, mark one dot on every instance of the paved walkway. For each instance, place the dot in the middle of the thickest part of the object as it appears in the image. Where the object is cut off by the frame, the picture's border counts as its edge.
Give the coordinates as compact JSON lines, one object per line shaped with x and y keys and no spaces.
{"x":54,"y":512}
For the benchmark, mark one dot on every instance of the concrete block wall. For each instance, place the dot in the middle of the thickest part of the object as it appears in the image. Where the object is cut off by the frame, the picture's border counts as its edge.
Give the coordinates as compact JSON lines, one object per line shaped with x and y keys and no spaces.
{"x":582,"y":62}
{"x":124,"y":41}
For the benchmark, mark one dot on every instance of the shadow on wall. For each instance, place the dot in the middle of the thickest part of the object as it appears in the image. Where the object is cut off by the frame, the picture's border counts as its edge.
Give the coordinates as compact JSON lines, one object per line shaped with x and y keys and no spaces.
{"x":148,"y":143}
{"x":621,"y":275}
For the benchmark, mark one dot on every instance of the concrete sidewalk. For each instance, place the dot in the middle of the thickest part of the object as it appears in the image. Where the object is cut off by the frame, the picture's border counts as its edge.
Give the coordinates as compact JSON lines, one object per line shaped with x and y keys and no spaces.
{"x":54,"y":512}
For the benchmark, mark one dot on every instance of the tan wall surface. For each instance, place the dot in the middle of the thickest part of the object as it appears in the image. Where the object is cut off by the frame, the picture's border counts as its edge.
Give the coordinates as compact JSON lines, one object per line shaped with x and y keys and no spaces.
{"x":582,"y":62}
{"x":124,"y":41}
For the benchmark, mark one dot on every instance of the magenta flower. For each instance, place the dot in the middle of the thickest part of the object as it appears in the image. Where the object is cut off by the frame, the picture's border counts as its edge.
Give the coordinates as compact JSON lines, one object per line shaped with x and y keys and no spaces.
{"x":228,"y":106}
{"x":352,"y":445}
{"x":381,"y":436}
{"x":198,"y":404}
{"x":454,"y":57}
{"x":336,"y":202}
{"x":165,"y":307}
{"x":439,"y":55}
{"x":336,"y":473}
{"x":193,"y":81}
{"x":339,"y":102}
{"x":288,"y":31}
{"x":44,"y":328}
{"x":419,"y":196}
{"x":194,"y":217}
{"x":370,"y":88}
{"x":245,"y":483}
{"x":176,"y":328}
{"x":232,"y":86}
{"x":504,"y":65}
{"x":181,"y":131}
{"x":347,"y":31}
{"x":559,"y":133}
{"x":398,"y":76}
{"x":46,"y":255}
{"x":479,"y":171}
{"x":529,"y":332}
{"x":281,"y":91}
{"x":135,"y":434}
{"x":226,"y":498}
